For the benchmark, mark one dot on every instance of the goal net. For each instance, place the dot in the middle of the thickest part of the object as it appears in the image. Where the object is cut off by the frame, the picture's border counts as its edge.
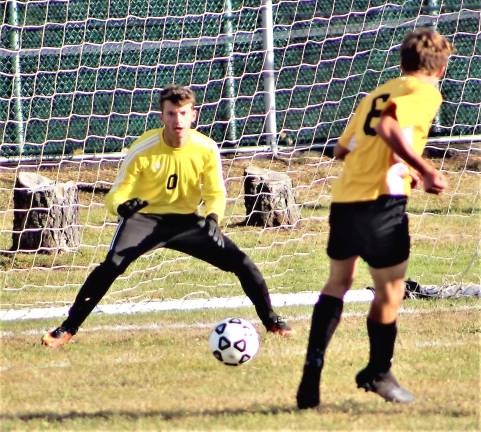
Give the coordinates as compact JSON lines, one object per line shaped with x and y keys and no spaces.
{"x":276,"y":82}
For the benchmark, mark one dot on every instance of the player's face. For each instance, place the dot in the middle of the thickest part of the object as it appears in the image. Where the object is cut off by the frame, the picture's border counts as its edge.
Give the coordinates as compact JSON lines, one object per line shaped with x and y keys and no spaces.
{"x":177,"y":121}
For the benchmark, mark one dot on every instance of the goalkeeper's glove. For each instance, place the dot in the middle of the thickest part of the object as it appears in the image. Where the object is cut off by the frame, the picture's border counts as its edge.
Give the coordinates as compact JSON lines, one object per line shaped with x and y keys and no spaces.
{"x":131,"y":206}
{"x":210,"y":225}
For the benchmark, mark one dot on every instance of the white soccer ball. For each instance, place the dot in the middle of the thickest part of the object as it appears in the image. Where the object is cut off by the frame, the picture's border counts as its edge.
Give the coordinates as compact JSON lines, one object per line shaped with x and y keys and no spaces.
{"x":234,"y":341}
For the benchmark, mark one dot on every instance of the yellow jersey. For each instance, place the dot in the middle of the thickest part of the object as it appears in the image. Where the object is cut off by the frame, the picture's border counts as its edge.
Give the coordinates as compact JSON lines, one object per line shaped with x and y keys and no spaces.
{"x":371,"y":168}
{"x":172,"y":180}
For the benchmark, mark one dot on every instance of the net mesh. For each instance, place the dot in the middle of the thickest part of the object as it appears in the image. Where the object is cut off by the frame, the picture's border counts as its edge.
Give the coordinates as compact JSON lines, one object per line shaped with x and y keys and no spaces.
{"x":79,"y":81}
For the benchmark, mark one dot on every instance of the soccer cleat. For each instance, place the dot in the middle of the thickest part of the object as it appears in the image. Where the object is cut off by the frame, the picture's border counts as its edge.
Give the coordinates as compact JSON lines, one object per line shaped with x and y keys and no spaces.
{"x":58,"y":337}
{"x":412,"y":289}
{"x":308,"y":395}
{"x":385,"y":385}
{"x":279,"y":326}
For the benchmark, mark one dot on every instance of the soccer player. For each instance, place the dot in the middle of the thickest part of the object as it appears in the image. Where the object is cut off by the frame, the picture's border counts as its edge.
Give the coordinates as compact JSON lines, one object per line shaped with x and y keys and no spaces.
{"x":381,"y":148}
{"x":164,"y":177}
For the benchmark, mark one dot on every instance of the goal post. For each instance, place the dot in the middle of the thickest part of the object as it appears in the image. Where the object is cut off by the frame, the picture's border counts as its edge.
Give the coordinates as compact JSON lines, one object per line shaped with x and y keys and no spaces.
{"x":276,"y":82}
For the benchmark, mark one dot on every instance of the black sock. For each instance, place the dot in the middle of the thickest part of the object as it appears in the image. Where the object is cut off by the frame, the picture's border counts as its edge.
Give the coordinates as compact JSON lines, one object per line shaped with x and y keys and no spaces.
{"x":94,"y":288}
{"x":325,"y":318}
{"x":381,"y":342}
{"x":255,"y":288}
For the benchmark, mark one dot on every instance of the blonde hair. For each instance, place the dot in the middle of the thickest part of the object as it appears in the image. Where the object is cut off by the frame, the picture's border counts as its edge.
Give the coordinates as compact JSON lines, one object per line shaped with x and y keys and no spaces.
{"x":177,"y":94}
{"x":424,"y":50}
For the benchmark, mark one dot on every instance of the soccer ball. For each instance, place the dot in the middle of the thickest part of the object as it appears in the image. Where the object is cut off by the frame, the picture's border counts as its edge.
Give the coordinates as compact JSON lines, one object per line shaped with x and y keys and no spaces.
{"x":234,"y":341}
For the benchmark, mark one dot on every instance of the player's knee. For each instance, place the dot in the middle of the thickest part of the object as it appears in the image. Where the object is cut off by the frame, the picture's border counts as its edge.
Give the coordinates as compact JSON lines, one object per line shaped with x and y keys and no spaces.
{"x":235,"y":263}
{"x":246,"y":264}
{"x":339,"y":286}
{"x":242,"y":266}
{"x":113,"y":265}
{"x":390,"y":297}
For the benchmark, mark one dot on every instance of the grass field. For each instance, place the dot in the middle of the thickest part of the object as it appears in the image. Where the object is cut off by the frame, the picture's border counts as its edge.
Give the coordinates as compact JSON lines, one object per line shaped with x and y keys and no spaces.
{"x":445,"y":237}
{"x":155,"y":372}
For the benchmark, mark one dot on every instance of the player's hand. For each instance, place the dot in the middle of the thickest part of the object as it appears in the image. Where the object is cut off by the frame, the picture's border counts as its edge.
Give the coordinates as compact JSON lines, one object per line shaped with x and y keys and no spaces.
{"x":210,"y":225}
{"x":434,"y":182}
{"x":415,"y":178}
{"x":131,"y":206}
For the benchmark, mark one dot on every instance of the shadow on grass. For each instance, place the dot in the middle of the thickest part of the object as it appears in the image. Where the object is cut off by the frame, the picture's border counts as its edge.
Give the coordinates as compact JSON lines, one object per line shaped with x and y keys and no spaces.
{"x":349,"y":407}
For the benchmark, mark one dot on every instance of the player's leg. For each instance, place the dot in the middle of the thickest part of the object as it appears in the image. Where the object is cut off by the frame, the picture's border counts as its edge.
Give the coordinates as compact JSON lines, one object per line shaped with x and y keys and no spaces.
{"x":343,"y":249}
{"x":325,"y":319}
{"x":132,"y":238}
{"x":196,"y":242}
{"x":387,"y":246}
{"x":382,"y":331}
{"x":389,"y":287}
{"x":255,"y":287}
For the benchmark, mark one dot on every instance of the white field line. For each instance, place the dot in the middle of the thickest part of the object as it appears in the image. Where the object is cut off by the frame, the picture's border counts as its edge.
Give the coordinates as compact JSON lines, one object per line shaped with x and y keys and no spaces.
{"x":278,"y":300}
{"x":120,"y":328}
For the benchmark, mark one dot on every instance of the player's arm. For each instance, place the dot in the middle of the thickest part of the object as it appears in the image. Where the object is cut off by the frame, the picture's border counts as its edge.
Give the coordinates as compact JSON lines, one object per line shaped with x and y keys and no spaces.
{"x":346,"y":142}
{"x":213,"y":188}
{"x":121,"y":190}
{"x":340,"y":152}
{"x":390,"y":131}
{"x":416,"y":178}
{"x":214,"y":196}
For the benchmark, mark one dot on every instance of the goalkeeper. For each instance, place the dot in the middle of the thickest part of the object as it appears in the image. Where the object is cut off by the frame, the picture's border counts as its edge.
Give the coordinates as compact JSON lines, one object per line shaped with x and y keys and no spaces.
{"x":381,"y":148}
{"x":165,"y":175}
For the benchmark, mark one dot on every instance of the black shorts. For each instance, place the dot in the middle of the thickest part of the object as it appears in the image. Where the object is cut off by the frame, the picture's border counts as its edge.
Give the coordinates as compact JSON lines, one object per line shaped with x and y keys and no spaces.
{"x":377,"y":231}
{"x":143,"y":232}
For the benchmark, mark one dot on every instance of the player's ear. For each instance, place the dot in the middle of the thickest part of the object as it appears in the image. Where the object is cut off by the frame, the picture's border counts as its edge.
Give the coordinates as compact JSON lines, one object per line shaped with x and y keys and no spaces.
{"x":161,"y":115}
{"x":441,"y":71}
{"x":194,"y":114}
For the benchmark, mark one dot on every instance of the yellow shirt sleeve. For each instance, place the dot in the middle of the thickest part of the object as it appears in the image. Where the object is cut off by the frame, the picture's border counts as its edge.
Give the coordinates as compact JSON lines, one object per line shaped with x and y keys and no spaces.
{"x":123,"y":186}
{"x":124,"y":183}
{"x":346,"y":139}
{"x":213,"y":188}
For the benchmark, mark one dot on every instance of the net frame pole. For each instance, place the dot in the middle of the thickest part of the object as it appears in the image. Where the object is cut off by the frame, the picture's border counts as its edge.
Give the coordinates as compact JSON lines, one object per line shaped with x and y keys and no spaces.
{"x":229,"y":85}
{"x":14,"y":41}
{"x":432,"y":9}
{"x":270,"y":127}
